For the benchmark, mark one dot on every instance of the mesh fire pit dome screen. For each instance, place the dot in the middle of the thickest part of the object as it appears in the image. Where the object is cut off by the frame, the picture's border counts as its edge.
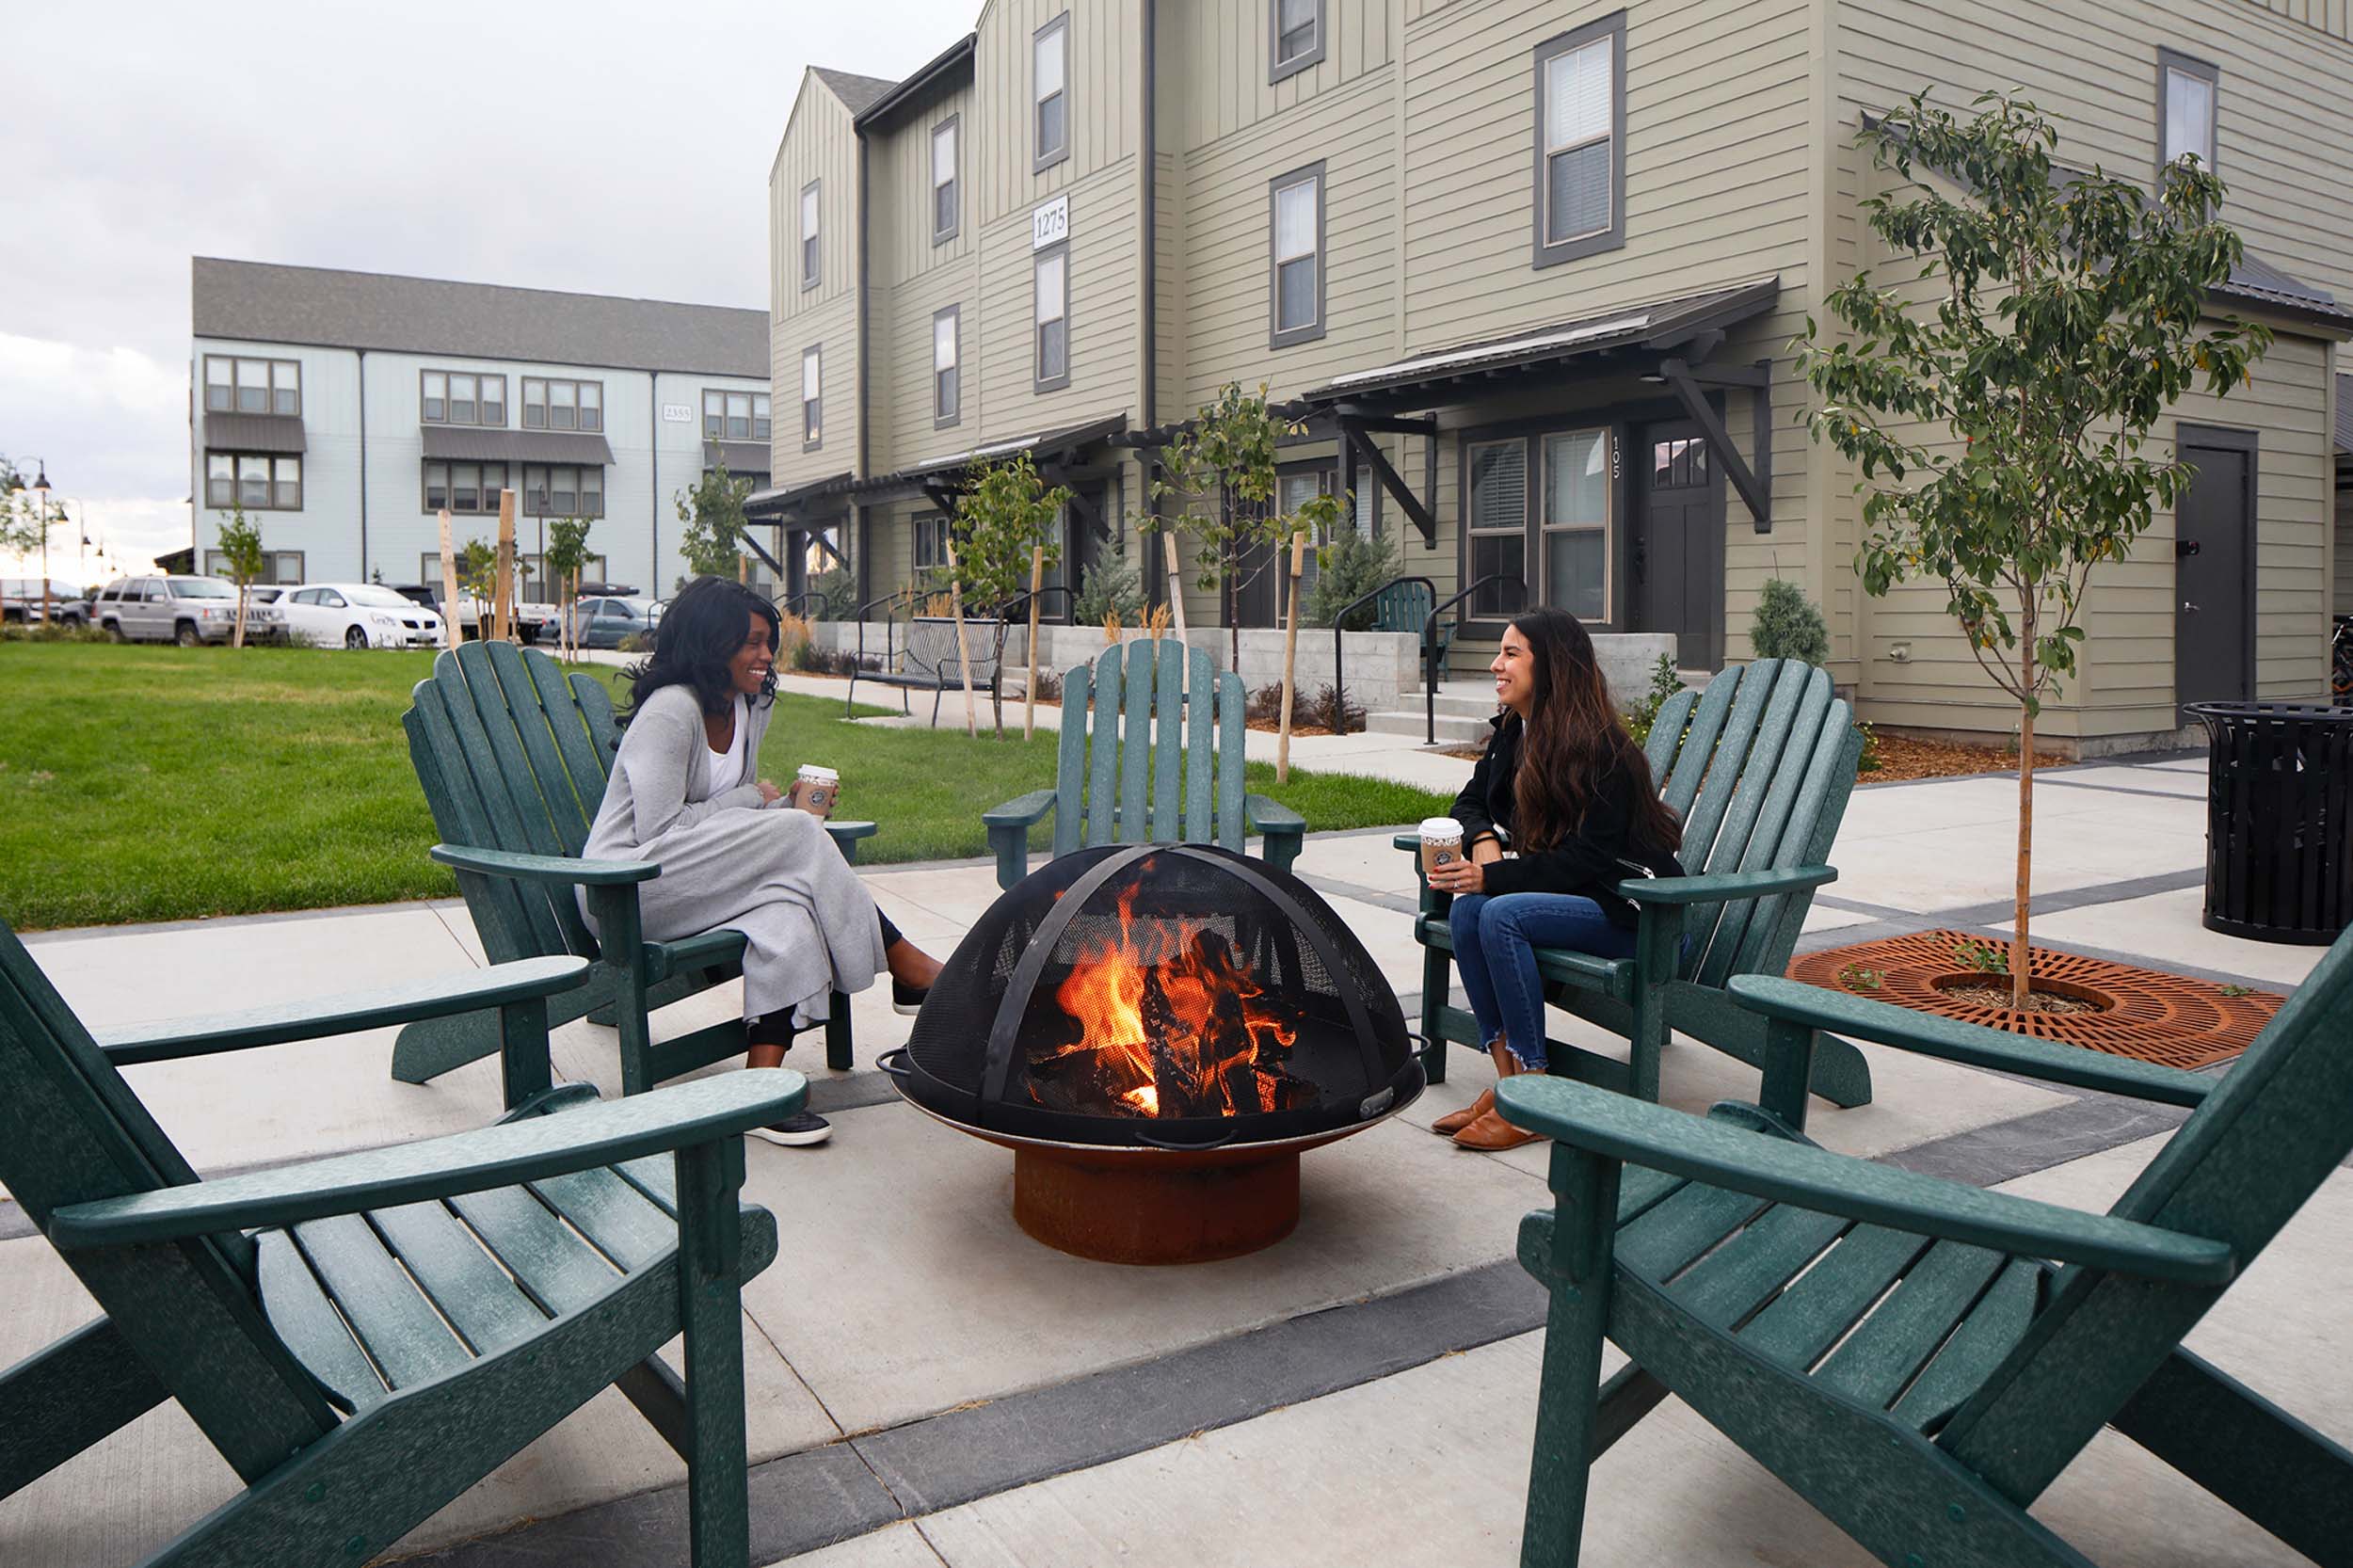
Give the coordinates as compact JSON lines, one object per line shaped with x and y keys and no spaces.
{"x":1171,"y":994}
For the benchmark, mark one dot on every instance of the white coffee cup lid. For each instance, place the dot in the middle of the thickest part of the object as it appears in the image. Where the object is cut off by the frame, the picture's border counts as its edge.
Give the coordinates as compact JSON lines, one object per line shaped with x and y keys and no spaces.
{"x":1441,"y":827}
{"x":810,"y":770}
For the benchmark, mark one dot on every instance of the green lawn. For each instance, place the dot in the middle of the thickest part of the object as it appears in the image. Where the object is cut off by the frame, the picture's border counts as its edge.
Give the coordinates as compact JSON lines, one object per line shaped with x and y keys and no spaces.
{"x":162,"y":783}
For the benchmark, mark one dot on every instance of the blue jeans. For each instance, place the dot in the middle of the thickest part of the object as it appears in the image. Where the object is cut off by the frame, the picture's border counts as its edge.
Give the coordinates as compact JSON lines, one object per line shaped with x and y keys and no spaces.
{"x":1496,"y":936}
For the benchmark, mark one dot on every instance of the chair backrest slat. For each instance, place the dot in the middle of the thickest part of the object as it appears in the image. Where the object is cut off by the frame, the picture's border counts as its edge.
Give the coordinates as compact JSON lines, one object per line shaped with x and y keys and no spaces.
{"x":71,"y":1132}
{"x":1697,"y":745}
{"x":1776,"y":774}
{"x":2277,"y":1126}
{"x":1078,"y":690}
{"x":567,"y":821}
{"x":1231,"y":827}
{"x":1200,"y":746}
{"x":1725,"y":755}
{"x":1168,"y":744}
{"x":1135,"y":738}
{"x":1666,"y":739}
{"x":1110,"y":714}
{"x":1827,"y":782}
{"x":461,"y":816}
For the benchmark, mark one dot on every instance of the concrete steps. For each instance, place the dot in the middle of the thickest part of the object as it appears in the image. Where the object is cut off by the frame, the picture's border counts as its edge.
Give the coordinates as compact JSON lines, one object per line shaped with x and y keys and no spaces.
{"x":1461,"y":714}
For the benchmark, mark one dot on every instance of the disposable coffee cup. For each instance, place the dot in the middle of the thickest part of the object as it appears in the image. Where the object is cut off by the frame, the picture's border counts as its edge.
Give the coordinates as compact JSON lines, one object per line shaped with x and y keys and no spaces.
{"x":816,"y":789}
{"x":1441,"y":843}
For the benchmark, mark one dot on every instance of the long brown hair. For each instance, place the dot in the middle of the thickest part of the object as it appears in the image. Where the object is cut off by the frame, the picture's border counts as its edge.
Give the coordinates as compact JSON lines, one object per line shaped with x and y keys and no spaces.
{"x":1572,"y":740}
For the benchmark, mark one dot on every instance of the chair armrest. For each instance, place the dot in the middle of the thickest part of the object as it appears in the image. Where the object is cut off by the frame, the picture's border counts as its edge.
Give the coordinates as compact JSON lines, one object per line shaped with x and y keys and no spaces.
{"x":1808,"y":1176}
{"x":312,"y":1017}
{"x":1021,"y":811}
{"x":545,"y":868}
{"x":1973,"y":1045}
{"x":1723,"y":888}
{"x":851,"y":830}
{"x":530,"y":1150}
{"x":1408,"y":842}
{"x":1270,"y":815}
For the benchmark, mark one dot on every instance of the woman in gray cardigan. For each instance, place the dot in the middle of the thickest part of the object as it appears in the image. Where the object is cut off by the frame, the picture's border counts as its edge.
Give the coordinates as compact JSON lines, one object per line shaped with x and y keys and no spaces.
{"x":734,"y":853}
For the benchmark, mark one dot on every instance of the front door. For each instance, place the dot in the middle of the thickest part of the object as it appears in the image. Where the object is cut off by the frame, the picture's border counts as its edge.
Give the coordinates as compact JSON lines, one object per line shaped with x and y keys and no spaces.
{"x":1076,"y":564}
{"x":2213,"y":645}
{"x":1678,"y":547}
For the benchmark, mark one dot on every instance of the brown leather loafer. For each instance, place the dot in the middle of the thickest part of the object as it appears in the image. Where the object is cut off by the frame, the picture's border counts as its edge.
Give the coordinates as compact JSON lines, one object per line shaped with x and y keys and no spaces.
{"x":1455,"y":1121}
{"x":1492,"y":1134}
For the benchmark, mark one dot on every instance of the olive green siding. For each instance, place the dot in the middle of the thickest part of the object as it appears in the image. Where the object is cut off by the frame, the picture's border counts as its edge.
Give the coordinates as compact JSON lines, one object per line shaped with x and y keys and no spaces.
{"x":2334,"y":17}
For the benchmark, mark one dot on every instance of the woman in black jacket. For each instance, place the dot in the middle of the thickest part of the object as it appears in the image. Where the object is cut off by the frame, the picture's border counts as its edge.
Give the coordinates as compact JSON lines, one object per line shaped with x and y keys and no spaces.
{"x":1569,"y":789}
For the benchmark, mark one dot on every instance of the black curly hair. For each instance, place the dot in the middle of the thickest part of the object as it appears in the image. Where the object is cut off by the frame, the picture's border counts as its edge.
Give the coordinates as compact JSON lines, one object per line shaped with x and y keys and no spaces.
{"x":698,"y":633}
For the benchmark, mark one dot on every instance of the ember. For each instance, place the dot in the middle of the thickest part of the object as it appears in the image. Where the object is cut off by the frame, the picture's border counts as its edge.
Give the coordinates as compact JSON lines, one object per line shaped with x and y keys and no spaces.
{"x":1169,"y":1022}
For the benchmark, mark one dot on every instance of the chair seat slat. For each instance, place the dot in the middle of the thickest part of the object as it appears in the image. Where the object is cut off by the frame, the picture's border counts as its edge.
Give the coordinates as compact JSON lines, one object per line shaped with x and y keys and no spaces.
{"x":403,"y":1336}
{"x":471,"y":1289}
{"x":1879,"y":1357}
{"x":613,"y":1214}
{"x":301,"y":1314}
{"x":557,"y":1268}
{"x":1988,"y":1333}
{"x":1808,"y":1317}
{"x":1738,"y":1278}
{"x":1671,"y":1235}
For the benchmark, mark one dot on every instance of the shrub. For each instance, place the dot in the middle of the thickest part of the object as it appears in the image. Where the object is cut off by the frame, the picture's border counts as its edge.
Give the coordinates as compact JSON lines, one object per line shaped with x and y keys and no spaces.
{"x":1348,"y":568}
{"x":1870,"y":761}
{"x":1665,"y":682}
{"x":1788,"y":625}
{"x":1324,"y":711}
{"x":832,"y":594}
{"x":1108,"y":589}
{"x":17,"y":632}
{"x":1049,"y":686}
{"x":636,"y":642}
{"x":793,"y":640}
{"x":1265,"y":705}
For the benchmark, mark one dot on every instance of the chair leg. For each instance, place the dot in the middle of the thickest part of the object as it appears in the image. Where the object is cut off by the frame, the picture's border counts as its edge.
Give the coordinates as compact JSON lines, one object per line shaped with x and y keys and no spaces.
{"x":837,"y":1039}
{"x":711,"y":1311}
{"x":2262,"y":1460}
{"x":1576,"y":1273}
{"x":67,"y":1396}
{"x":1437,"y":976}
{"x":1646,"y":1042}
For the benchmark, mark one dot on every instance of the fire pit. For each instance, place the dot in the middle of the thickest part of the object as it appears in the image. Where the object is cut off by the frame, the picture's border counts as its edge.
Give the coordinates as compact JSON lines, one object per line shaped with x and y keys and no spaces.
{"x":1157,"y":1031}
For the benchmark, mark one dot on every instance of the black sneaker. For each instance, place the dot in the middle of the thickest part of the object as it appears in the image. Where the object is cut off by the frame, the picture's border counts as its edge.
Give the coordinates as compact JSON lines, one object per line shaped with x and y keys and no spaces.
{"x":907,"y":999}
{"x":796,"y":1131}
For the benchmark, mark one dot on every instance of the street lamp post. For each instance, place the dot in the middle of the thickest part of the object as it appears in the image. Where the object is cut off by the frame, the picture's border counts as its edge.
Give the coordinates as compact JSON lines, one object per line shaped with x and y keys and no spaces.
{"x":40,"y":512}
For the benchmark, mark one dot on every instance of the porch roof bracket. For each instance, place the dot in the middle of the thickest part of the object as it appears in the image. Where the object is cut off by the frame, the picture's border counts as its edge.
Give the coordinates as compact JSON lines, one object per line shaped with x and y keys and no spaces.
{"x":941,"y":497}
{"x":767,"y":560}
{"x":1089,"y":512}
{"x":1415,"y":507}
{"x":1695,"y":405}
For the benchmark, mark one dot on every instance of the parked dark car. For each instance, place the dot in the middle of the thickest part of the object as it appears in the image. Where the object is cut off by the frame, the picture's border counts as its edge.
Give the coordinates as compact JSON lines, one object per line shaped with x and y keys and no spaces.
{"x":22,"y":601}
{"x":608,"y":622}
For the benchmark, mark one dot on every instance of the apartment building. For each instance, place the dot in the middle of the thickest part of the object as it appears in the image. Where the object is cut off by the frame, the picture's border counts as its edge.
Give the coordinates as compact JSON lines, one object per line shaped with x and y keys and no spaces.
{"x":343,"y":410}
{"x":1527,"y":272}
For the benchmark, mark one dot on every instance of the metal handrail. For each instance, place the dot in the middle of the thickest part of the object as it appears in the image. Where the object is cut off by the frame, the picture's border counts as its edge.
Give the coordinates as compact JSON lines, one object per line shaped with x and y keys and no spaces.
{"x":860,"y":613}
{"x":1430,"y":687}
{"x":1339,"y":674}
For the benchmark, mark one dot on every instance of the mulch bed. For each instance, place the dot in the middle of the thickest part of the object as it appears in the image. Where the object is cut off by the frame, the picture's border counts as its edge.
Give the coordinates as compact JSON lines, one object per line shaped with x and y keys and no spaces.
{"x":2117,"y":1008}
{"x":1902,"y":757}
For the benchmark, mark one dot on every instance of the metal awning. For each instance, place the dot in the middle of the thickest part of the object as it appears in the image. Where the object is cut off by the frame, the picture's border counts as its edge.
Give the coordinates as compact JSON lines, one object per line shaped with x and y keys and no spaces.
{"x":739,"y":457}
{"x":465,"y":444}
{"x":1050,"y":448}
{"x":252,"y":433}
{"x":1666,"y":341}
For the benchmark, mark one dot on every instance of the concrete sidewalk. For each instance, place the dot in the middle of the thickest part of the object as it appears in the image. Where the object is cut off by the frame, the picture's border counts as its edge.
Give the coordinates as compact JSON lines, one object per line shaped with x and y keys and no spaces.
{"x":929,"y":1386}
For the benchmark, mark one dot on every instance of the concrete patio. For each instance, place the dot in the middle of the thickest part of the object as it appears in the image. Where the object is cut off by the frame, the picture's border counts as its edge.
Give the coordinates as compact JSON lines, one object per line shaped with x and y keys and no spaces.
{"x":929,"y":1386}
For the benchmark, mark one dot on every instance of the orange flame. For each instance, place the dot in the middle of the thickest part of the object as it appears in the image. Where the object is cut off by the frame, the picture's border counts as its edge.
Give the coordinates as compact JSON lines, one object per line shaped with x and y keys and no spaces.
{"x":1174,"y":1023}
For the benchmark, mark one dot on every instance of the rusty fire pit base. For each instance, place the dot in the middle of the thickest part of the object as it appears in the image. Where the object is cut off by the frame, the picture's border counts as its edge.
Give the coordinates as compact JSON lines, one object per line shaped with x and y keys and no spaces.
{"x":1135,"y":1206}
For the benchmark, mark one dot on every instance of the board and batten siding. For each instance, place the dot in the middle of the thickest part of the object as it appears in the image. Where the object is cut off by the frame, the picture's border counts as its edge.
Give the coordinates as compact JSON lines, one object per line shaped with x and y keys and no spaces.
{"x":1106,"y":54}
{"x":1216,"y":60}
{"x":819,"y":144}
{"x":2333,"y":17}
{"x":1103,"y":331}
{"x":2284,"y":130}
{"x":899,"y":244}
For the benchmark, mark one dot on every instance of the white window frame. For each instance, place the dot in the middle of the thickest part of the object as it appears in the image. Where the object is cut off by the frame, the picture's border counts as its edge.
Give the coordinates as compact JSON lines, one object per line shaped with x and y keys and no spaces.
{"x":2173,"y":64}
{"x":953,"y":185}
{"x":1279,"y":335}
{"x":813,"y":398}
{"x":947,"y":378}
{"x":812,"y":234}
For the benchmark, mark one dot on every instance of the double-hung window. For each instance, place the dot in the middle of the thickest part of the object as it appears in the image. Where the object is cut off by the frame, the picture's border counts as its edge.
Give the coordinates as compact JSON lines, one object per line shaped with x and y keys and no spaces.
{"x":811,"y":258}
{"x":1295,"y":34}
{"x":931,"y":541}
{"x":947,"y":388}
{"x":1050,"y":275}
{"x":1497,"y":524}
{"x":450,"y":397}
{"x":945,"y":215}
{"x":813,"y":398}
{"x":1577,"y":522}
{"x":563,"y":492}
{"x":550,"y":405}
{"x":464,"y":488}
{"x":735,"y":416}
{"x":1580,"y":142}
{"x":253,"y":482}
{"x":2186,"y":96}
{"x":1297,"y":281}
{"x":1050,"y":70}
{"x":239,"y":386}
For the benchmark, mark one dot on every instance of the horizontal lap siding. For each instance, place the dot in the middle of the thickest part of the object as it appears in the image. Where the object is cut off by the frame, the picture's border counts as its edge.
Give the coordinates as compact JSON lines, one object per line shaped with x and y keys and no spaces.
{"x":2334,"y":17}
{"x":833,"y":329}
{"x":900,"y":340}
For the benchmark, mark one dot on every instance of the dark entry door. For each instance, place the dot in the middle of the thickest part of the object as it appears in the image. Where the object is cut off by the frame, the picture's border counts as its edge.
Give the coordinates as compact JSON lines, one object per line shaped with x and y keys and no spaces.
{"x":2214,"y":531}
{"x":1678,"y":547}
{"x":1080,"y":544}
{"x":1259,"y":604}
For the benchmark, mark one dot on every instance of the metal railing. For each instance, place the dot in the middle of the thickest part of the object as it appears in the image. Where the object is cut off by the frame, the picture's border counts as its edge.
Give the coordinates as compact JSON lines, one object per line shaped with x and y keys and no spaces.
{"x":1428,"y":686}
{"x":1340,"y":672}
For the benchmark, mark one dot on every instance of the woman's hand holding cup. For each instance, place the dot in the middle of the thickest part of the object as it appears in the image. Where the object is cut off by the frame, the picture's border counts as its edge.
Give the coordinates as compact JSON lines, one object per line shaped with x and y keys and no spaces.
{"x":769,"y":794}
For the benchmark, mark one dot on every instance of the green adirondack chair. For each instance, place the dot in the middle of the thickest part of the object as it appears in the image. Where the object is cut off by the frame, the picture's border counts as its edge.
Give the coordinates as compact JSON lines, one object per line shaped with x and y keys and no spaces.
{"x":1759,"y":767}
{"x":365,"y":1336}
{"x":1164,"y":766}
{"x":1916,"y":1357}
{"x":1406,"y":605}
{"x":513,"y":759}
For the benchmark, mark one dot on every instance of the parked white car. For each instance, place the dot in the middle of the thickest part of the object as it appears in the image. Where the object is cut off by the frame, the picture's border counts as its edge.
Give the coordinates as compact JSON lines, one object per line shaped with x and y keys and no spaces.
{"x":356,"y":614}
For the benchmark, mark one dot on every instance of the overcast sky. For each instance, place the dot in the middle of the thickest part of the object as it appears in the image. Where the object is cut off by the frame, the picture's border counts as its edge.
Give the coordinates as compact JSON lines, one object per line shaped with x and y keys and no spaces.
{"x":590,"y":146}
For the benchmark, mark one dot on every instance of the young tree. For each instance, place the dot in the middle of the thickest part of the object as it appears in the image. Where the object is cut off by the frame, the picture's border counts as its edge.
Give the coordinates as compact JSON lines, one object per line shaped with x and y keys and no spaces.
{"x":241,"y":547}
{"x":566,"y":554}
{"x":23,"y":524}
{"x":712,"y":512}
{"x":2073,"y":314}
{"x":477,"y":575}
{"x":1227,"y":459}
{"x":1005,"y":513}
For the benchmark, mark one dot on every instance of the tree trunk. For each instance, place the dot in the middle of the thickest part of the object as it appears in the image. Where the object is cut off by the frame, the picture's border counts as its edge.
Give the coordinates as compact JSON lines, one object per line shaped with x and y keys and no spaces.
{"x":1290,"y":661}
{"x":244,"y":594}
{"x":1028,"y":696}
{"x":2018,"y":963}
{"x":964,"y":648}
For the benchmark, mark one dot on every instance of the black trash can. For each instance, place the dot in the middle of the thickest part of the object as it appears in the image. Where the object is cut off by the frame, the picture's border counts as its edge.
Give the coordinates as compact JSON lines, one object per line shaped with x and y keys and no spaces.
{"x":2278,"y":846}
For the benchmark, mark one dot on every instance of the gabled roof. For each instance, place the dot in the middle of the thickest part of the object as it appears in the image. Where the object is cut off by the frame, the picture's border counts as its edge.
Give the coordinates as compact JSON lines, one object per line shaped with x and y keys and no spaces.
{"x":857,"y":93}
{"x":264,"y":302}
{"x":949,"y":68}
